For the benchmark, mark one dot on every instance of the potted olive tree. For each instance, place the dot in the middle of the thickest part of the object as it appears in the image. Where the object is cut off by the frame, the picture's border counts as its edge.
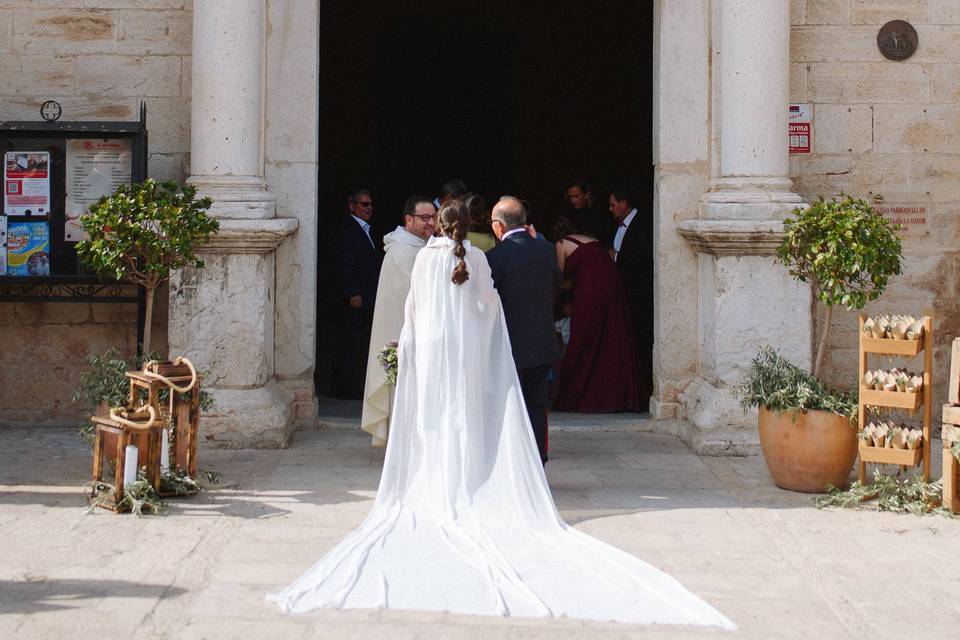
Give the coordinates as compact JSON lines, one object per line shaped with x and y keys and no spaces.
{"x":142,"y":233}
{"x":847,"y":252}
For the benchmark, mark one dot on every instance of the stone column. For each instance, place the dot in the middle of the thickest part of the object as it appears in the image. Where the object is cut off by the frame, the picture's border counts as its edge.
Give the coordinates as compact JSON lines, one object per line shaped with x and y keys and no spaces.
{"x":745,"y":298}
{"x":222,"y":316}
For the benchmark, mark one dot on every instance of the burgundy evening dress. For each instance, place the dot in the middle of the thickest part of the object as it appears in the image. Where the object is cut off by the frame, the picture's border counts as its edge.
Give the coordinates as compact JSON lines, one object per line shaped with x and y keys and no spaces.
{"x":600,"y":371}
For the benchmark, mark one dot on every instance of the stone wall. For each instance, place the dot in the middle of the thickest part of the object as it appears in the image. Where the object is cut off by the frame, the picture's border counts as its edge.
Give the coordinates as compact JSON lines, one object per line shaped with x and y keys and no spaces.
{"x":99,"y":59}
{"x":888,"y":128}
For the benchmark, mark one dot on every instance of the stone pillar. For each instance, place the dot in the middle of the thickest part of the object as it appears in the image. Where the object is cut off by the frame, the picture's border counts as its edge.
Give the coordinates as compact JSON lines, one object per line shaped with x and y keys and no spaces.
{"x":745,"y":298}
{"x":222,"y":316}
{"x":226,"y":109}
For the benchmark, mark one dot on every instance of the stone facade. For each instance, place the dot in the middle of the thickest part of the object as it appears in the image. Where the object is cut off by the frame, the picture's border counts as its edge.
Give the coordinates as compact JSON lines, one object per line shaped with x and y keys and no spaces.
{"x":888,"y":128}
{"x":99,"y":59}
{"x":724,"y":73}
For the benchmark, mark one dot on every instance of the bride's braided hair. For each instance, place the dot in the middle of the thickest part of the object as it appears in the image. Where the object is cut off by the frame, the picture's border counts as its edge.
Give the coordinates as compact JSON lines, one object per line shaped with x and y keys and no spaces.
{"x":454,"y":220}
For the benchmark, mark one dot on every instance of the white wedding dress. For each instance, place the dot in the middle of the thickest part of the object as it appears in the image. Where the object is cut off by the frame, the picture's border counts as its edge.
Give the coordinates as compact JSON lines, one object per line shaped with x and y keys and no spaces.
{"x":464,"y":520}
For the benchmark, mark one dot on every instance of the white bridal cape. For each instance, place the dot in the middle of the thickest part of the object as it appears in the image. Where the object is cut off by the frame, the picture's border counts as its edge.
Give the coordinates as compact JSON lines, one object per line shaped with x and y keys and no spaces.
{"x":464,"y":520}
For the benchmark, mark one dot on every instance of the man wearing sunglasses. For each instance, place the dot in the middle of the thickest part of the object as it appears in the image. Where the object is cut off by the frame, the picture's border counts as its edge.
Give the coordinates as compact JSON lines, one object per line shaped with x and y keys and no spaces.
{"x":358,"y":259}
{"x":401,"y":245}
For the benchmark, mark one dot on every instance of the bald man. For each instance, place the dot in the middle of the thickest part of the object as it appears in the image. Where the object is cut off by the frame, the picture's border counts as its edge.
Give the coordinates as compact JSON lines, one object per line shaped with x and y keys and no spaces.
{"x":526,"y":276}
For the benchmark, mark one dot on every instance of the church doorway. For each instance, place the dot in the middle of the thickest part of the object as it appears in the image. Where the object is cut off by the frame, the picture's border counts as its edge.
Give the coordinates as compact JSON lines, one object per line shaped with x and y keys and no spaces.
{"x":510,"y":97}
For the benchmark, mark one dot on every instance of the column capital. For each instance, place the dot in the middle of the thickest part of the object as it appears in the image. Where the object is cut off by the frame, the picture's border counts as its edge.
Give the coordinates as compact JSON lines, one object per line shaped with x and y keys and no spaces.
{"x":250,"y":236}
{"x":733,"y":237}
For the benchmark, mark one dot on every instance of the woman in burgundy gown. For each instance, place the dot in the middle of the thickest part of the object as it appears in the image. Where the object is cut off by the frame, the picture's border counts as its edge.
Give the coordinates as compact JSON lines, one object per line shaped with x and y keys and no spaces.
{"x":600,"y":370}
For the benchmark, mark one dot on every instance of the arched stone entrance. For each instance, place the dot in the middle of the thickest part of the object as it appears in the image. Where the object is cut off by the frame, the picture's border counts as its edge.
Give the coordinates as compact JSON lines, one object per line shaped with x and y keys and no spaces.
{"x":721,"y":74}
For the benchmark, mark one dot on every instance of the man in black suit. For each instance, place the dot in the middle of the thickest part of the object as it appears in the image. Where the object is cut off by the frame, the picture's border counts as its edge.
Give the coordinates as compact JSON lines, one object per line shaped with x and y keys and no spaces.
{"x":632,"y":251}
{"x":526,"y":276}
{"x":359,"y":258}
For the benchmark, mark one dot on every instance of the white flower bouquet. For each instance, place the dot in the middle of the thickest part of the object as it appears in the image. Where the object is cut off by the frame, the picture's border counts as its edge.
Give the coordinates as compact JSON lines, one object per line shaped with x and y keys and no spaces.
{"x":388,"y":360}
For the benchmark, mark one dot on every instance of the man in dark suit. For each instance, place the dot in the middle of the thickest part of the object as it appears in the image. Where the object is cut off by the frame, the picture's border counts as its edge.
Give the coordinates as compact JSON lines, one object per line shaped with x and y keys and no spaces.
{"x":526,"y":276}
{"x":633,"y":253}
{"x":359,"y":257}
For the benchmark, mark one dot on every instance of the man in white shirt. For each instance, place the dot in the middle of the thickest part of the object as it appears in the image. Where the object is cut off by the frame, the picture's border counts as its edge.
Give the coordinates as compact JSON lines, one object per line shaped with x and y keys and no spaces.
{"x":358,"y":259}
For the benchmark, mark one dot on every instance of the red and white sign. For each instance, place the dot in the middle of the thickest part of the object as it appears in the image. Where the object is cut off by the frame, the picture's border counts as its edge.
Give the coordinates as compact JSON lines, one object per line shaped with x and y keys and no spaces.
{"x":95,"y":168}
{"x":800,"y":128}
{"x":26,"y":183}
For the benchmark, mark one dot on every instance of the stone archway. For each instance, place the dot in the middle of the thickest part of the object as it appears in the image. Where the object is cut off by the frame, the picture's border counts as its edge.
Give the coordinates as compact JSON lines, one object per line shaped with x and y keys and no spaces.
{"x":721,"y":190}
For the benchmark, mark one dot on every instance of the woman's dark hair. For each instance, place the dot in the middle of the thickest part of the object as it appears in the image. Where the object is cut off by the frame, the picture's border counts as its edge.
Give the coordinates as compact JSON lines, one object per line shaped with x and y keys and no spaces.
{"x":479,"y":213}
{"x":563,"y":226}
{"x":454,"y":220}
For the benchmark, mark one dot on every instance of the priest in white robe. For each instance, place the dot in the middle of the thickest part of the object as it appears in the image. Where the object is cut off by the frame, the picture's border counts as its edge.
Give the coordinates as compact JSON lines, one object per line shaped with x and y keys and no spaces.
{"x":401,"y":246}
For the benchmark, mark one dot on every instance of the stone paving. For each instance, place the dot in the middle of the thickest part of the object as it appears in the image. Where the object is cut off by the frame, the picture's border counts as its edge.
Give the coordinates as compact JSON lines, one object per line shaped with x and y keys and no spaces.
{"x":766,"y":558}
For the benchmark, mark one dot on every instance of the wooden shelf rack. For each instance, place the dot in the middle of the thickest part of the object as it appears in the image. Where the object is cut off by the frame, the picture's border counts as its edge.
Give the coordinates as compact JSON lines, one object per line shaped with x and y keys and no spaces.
{"x":897,"y":399}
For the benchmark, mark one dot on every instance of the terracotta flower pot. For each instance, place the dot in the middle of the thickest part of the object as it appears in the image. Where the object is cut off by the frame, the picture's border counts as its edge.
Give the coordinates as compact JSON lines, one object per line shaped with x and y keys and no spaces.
{"x":807,"y":451}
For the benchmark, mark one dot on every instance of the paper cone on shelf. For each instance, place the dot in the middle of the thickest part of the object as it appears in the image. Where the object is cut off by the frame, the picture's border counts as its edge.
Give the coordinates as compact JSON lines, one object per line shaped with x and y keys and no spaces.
{"x":913,"y":439}
{"x":915,"y":330}
{"x":900,"y":330}
{"x":898,"y":438}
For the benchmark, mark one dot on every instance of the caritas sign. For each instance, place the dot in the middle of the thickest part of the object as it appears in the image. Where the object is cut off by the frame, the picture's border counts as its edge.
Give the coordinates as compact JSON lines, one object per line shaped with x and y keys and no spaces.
{"x":799,"y":127}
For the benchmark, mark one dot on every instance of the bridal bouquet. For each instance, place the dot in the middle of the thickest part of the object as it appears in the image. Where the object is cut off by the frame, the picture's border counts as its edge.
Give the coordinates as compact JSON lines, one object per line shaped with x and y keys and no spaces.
{"x":388,"y":360}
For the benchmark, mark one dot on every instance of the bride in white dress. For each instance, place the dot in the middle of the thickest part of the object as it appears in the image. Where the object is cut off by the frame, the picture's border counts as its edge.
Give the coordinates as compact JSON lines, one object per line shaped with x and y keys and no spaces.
{"x":464,"y":520}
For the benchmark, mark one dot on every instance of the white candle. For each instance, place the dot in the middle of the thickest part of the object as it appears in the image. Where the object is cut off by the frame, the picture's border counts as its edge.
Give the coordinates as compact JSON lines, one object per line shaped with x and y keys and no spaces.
{"x":164,"y":451}
{"x":130,"y":465}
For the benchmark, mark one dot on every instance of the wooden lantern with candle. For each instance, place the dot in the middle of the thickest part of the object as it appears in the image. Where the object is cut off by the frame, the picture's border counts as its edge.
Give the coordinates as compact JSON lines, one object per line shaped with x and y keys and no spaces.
{"x":127,"y":426}
{"x":181,"y":409}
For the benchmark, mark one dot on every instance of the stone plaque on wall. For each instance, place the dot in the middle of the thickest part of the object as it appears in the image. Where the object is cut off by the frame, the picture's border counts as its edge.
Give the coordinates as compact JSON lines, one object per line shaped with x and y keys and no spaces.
{"x":897,"y":40}
{"x":912,"y":217}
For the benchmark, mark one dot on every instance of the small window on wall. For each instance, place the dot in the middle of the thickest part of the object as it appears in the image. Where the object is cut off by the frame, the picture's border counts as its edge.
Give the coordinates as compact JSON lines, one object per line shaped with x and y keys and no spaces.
{"x":48,"y":183}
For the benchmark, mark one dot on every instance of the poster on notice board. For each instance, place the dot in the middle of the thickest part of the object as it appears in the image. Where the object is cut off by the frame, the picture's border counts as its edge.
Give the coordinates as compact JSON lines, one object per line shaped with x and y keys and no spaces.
{"x":28,"y":248}
{"x":26,"y":183}
{"x":3,"y":245}
{"x":95,"y":168}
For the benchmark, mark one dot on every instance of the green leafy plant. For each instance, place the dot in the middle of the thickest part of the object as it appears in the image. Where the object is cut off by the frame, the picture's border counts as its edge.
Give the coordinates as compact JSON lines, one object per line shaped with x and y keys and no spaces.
{"x":141,"y":498}
{"x":176,"y":482}
{"x":103,"y":380}
{"x":774,"y":382}
{"x":138,"y":498}
{"x":143,"y":232}
{"x":846,"y":250}
{"x":906,"y":495}
{"x":955,"y":449}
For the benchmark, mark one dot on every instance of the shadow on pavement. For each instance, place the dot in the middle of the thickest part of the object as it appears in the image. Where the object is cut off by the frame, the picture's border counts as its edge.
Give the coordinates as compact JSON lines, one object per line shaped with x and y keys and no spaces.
{"x":36,"y":593}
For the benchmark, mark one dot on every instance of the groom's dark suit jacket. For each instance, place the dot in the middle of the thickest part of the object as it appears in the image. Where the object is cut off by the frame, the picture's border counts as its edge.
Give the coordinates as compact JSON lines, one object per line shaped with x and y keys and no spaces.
{"x":635,"y":262}
{"x":527,"y":278}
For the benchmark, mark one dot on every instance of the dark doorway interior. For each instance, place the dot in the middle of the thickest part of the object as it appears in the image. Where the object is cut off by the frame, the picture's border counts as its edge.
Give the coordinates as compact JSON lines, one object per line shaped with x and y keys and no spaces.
{"x":511,"y":97}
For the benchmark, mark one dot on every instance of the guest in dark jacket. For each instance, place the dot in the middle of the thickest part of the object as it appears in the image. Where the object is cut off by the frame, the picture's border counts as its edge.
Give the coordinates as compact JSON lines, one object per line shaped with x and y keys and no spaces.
{"x":359,"y":257}
{"x":633,"y":252}
{"x":526,"y":276}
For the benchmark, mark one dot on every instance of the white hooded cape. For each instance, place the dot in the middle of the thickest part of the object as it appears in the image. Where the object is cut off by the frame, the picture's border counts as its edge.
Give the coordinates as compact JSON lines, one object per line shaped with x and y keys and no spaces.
{"x":464,"y":520}
{"x":401,"y":250}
